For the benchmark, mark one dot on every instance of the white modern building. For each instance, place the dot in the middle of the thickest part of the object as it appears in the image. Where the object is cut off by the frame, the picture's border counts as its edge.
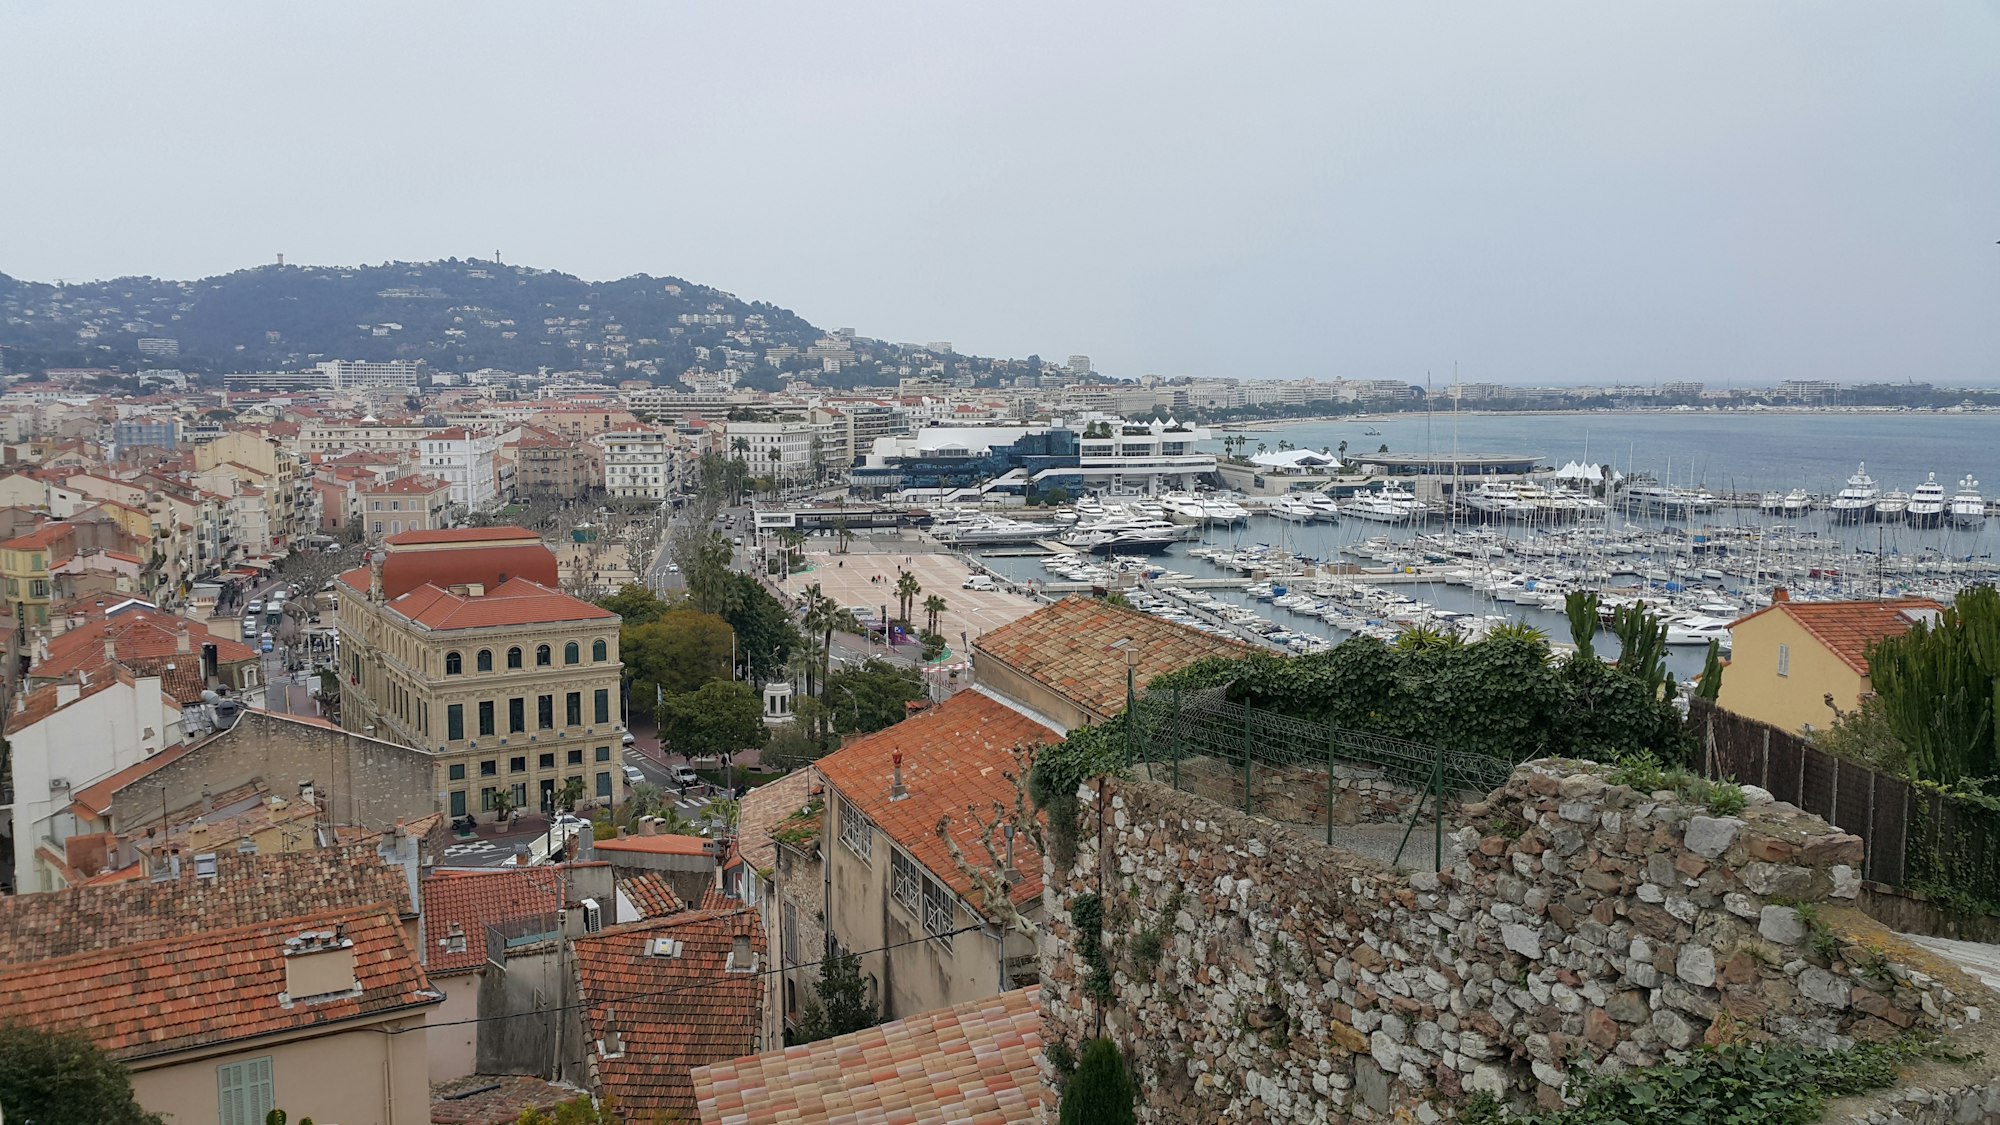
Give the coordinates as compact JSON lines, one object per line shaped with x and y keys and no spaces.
{"x":791,"y":441}
{"x":639,"y":462}
{"x":1140,"y":458}
{"x":465,"y":460}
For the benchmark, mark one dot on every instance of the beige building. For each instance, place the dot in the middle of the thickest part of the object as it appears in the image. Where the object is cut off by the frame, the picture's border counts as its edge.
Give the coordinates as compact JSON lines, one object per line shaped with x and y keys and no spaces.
{"x":414,"y":503}
{"x":1788,"y":661}
{"x":458,"y":642}
{"x":286,"y":492}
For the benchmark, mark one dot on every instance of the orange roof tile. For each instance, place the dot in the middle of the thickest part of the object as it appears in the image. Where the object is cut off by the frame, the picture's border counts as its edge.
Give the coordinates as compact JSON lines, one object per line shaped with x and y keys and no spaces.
{"x":212,"y":985}
{"x":406,"y":486}
{"x":247,"y":889}
{"x":496,"y":1099}
{"x":146,"y":641}
{"x":474,"y":900}
{"x":1848,"y":628}
{"x":463,"y":535}
{"x":974,"y":1064}
{"x":1066,"y":646}
{"x":651,"y":895}
{"x":957,"y":758}
{"x":762,"y":809}
{"x":516,"y":602}
{"x":673,"y":1013}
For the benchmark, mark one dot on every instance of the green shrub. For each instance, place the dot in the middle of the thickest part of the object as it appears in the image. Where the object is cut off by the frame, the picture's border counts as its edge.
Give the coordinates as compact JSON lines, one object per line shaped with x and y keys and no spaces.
{"x":1100,"y":1092}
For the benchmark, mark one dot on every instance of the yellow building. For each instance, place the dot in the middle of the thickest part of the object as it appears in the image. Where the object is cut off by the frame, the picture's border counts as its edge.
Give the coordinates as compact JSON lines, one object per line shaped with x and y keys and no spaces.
{"x":1788,"y":660}
{"x":457,"y":642}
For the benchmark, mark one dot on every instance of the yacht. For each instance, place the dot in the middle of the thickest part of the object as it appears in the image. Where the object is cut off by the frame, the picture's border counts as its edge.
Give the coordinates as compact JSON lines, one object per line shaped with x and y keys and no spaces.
{"x":1292,"y":510}
{"x":1121,"y":532}
{"x":1698,"y":630}
{"x":1323,"y":508}
{"x":970,"y":528}
{"x":1668,"y":500}
{"x":1771,"y":502}
{"x":1796,"y":502}
{"x":1387,"y":504}
{"x":1533,"y":501}
{"x":1856,"y":502}
{"x":1221,"y":511}
{"x":1493,"y":499}
{"x":1968,"y":507}
{"x":1927,"y":503}
{"x":1892,"y":504}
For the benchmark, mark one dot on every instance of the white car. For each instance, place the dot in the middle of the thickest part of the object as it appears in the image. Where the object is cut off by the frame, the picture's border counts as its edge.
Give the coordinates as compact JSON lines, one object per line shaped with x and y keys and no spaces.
{"x":633,"y":776}
{"x":978,"y":582}
{"x":684,"y":776}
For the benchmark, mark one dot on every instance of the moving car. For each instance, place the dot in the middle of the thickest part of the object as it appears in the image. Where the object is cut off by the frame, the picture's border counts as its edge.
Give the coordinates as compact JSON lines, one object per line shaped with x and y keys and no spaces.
{"x":684,"y":776}
{"x":627,"y":738}
{"x":633,"y":776}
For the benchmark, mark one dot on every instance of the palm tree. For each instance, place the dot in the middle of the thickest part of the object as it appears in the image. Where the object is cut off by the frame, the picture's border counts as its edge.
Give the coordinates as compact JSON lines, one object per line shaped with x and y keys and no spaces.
{"x":1343,"y":451}
{"x":822,"y":616}
{"x":933,"y":606}
{"x":907,"y":589}
{"x":841,"y":533}
{"x":777,"y":457}
{"x":503,"y":806}
{"x":570,"y":793}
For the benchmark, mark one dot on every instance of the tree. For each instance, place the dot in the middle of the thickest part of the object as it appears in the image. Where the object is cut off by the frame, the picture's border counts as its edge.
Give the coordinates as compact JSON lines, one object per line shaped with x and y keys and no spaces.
{"x":1581,"y":606}
{"x":503,"y":806}
{"x":1938,"y":684}
{"x":766,"y":636}
{"x":718,"y":719}
{"x":822,"y":616}
{"x":704,"y":557}
{"x":792,"y":745}
{"x":866,"y":699}
{"x":576,"y":1111}
{"x":636,"y":604}
{"x":676,"y":654}
{"x":1710,"y":686}
{"x":907,"y":589}
{"x":569,"y":794}
{"x":1100,"y":1092}
{"x":933,"y":606}
{"x":62,"y":1078}
{"x":1056,"y":495}
{"x":651,"y":800}
{"x":839,"y":1003}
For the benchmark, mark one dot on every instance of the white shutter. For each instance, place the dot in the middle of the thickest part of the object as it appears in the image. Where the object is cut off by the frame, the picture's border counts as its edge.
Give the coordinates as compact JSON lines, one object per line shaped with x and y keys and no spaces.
{"x":229,"y":1094}
{"x":261,"y":1091}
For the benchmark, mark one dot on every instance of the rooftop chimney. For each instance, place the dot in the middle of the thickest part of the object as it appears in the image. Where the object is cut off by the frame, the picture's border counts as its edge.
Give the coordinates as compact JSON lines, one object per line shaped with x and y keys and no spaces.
{"x":182,"y":644}
{"x":110,"y":647}
{"x":1780,"y":594}
{"x":319,"y":965}
{"x":648,"y":826}
{"x":896,"y":790}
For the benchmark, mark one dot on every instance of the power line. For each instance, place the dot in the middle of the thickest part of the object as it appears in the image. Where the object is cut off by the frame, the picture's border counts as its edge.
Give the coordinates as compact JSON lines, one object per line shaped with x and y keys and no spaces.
{"x":677,"y":989}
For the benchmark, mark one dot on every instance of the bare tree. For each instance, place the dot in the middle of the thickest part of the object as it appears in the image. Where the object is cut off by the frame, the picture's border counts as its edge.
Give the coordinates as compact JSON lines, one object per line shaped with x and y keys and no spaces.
{"x":994,"y":880}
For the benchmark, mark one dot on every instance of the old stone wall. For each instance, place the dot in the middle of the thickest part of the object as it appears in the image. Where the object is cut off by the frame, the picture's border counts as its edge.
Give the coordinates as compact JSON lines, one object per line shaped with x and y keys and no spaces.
{"x":1255,"y":974}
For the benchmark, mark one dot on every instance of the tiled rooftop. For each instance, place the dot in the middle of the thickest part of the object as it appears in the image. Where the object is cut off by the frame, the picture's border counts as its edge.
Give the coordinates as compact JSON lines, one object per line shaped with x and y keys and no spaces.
{"x":1848,"y":628}
{"x":666,"y":844}
{"x":474,"y":900}
{"x":974,"y":1064}
{"x":211,"y":985}
{"x":672,"y":1013}
{"x":495,"y":1099}
{"x":1067,"y":646}
{"x":762,"y":809}
{"x":247,"y":889}
{"x":515,"y":602}
{"x":957,"y":758}
{"x":651,"y":895}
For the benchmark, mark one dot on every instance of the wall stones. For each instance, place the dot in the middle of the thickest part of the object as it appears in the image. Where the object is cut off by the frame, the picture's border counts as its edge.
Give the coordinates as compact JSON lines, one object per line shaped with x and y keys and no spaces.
{"x":1300,"y":983}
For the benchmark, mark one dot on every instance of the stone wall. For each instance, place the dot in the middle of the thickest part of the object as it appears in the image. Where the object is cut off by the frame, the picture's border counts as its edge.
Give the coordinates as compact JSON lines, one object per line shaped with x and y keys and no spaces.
{"x":1257,"y":975}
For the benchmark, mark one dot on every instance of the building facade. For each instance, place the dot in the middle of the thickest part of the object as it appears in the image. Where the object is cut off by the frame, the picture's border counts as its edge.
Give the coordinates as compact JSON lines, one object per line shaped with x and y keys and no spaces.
{"x":640,"y":463}
{"x":459,"y":642}
{"x":465,"y":460}
{"x":418,"y":503}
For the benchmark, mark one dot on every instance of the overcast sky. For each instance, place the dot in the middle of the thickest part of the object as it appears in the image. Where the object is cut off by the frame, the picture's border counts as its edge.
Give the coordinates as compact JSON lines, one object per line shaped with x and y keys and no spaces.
{"x":1536,"y":192}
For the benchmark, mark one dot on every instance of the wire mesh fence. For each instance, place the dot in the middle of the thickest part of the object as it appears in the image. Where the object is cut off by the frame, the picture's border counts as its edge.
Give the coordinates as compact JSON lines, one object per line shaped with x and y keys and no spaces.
{"x":1305,"y":774}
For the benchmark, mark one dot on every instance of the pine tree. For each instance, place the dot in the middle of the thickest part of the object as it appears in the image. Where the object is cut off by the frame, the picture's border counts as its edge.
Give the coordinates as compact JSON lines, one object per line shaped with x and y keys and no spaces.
{"x":1100,"y":1093}
{"x":840,"y":1004}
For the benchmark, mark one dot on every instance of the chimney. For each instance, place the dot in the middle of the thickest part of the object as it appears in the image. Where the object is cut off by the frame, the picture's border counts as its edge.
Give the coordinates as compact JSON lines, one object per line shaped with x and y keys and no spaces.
{"x":648,"y":826}
{"x":182,"y":645}
{"x":896,"y":790}
{"x":198,"y":835}
{"x":319,"y":965}
{"x":375,"y":574}
{"x":306,"y":793}
{"x":110,"y":647}
{"x":739,"y":953}
{"x":612,"y":1045}
{"x":1780,"y":594}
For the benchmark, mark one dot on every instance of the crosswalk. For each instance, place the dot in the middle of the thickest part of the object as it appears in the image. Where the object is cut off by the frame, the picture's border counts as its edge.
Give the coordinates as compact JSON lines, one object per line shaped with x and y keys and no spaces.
{"x":476,"y":853}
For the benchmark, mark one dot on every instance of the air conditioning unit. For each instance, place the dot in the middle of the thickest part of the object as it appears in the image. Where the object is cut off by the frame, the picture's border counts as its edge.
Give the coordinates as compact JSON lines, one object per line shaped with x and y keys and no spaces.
{"x":593,"y":916}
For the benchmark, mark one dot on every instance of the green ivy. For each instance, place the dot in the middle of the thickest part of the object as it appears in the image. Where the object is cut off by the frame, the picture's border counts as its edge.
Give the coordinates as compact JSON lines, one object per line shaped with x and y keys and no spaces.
{"x":1086,"y":916}
{"x":1736,"y":1084}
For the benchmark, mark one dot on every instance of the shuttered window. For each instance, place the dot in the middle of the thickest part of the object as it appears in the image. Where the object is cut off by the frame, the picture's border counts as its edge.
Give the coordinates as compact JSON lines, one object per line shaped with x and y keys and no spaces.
{"x":244,"y":1092}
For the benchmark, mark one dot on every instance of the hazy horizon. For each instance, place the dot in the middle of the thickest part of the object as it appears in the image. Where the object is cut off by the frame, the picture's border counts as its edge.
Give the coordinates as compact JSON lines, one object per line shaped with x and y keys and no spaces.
{"x":1557,"y":195}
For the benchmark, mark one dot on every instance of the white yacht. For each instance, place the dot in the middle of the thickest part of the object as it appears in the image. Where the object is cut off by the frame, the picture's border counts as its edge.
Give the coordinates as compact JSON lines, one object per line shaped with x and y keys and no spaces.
{"x":1771,"y":502}
{"x":970,"y":528}
{"x":1292,"y":509}
{"x":1968,"y":507}
{"x":1892,"y":504}
{"x":1797,"y":502}
{"x":1856,"y":502}
{"x":1494,"y":499}
{"x":1221,"y":511}
{"x":1119,"y":531}
{"x":1387,"y":504}
{"x":1927,"y":503}
{"x":1698,"y":630}
{"x":1323,"y":508}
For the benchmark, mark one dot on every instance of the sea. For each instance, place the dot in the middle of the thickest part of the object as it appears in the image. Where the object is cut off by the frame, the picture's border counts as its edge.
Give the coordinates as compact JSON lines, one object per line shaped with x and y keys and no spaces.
{"x":1735,"y":452}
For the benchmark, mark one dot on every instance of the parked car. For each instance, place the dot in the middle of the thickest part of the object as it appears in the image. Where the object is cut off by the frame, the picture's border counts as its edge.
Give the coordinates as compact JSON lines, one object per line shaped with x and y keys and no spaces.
{"x":978,"y":582}
{"x":627,"y":738}
{"x":255,"y":607}
{"x":267,"y":644}
{"x":633,"y":776}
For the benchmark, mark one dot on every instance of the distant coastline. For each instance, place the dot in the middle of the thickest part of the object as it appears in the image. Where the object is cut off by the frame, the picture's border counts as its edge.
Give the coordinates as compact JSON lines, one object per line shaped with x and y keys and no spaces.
{"x":1261,"y":424}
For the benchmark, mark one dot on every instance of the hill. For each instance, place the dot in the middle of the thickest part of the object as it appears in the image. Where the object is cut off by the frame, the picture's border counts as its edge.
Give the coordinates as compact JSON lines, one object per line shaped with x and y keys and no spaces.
{"x":456,"y":315}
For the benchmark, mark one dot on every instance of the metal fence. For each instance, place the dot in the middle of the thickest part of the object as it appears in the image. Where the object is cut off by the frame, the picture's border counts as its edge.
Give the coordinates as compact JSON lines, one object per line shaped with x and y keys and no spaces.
{"x":1913,"y":836}
{"x":1305,"y":774}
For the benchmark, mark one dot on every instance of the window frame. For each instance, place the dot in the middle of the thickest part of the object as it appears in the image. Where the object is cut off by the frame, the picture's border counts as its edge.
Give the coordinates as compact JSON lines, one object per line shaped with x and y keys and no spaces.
{"x":485,"y":661}
{"x":454,"y":664}
{"x":857,"y":832}
{"x":572,"y":654}
{"x":454,"y":722}
{"x":514,"y":658}
{"x":599,"y":651}
{"x":906,"y":883}
{"x":940,"y":910}
{"x":487,"y":720}
{"x":543,"y":656}
{"x":250,"y":1085}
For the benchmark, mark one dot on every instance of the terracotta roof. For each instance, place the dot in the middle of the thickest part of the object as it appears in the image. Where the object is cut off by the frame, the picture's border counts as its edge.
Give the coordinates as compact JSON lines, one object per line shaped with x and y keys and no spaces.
{"x":212,"y":985}
{"x":45,"y":701}
{"x":463,"y":535}
{"x":474,"y":900}
{"x":672,"y":1013}
{"x":763,"y":809}
{"x":957,"y":757}
{"x":974,"y":1064}
{"x":1067,"y":646}
{"x":1848,"y":628}
{"x":496,"y":1099}
{"x":247,"y":889}
{"x":405,"y":486}
{"x":655,"y":845}
{"x":515,"y":602}
{"x":455,"y":433}
{"x":146,"y":641}
{"x":40,"y":538}
{"x":651,"y":895}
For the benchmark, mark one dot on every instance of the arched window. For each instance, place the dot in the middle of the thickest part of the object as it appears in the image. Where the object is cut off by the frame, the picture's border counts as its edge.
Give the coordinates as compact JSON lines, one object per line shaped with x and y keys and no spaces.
{"x":541,"y":656}
{"x":486,"y":660}
{"x":571,"y":653}
{"x":598,"y":651}
{"x":514,"y":657}
{"x":453,"y":664}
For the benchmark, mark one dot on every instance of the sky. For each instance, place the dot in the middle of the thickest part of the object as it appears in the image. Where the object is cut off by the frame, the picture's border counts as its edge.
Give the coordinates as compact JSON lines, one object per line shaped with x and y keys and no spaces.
{"x":1546,"y":193}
